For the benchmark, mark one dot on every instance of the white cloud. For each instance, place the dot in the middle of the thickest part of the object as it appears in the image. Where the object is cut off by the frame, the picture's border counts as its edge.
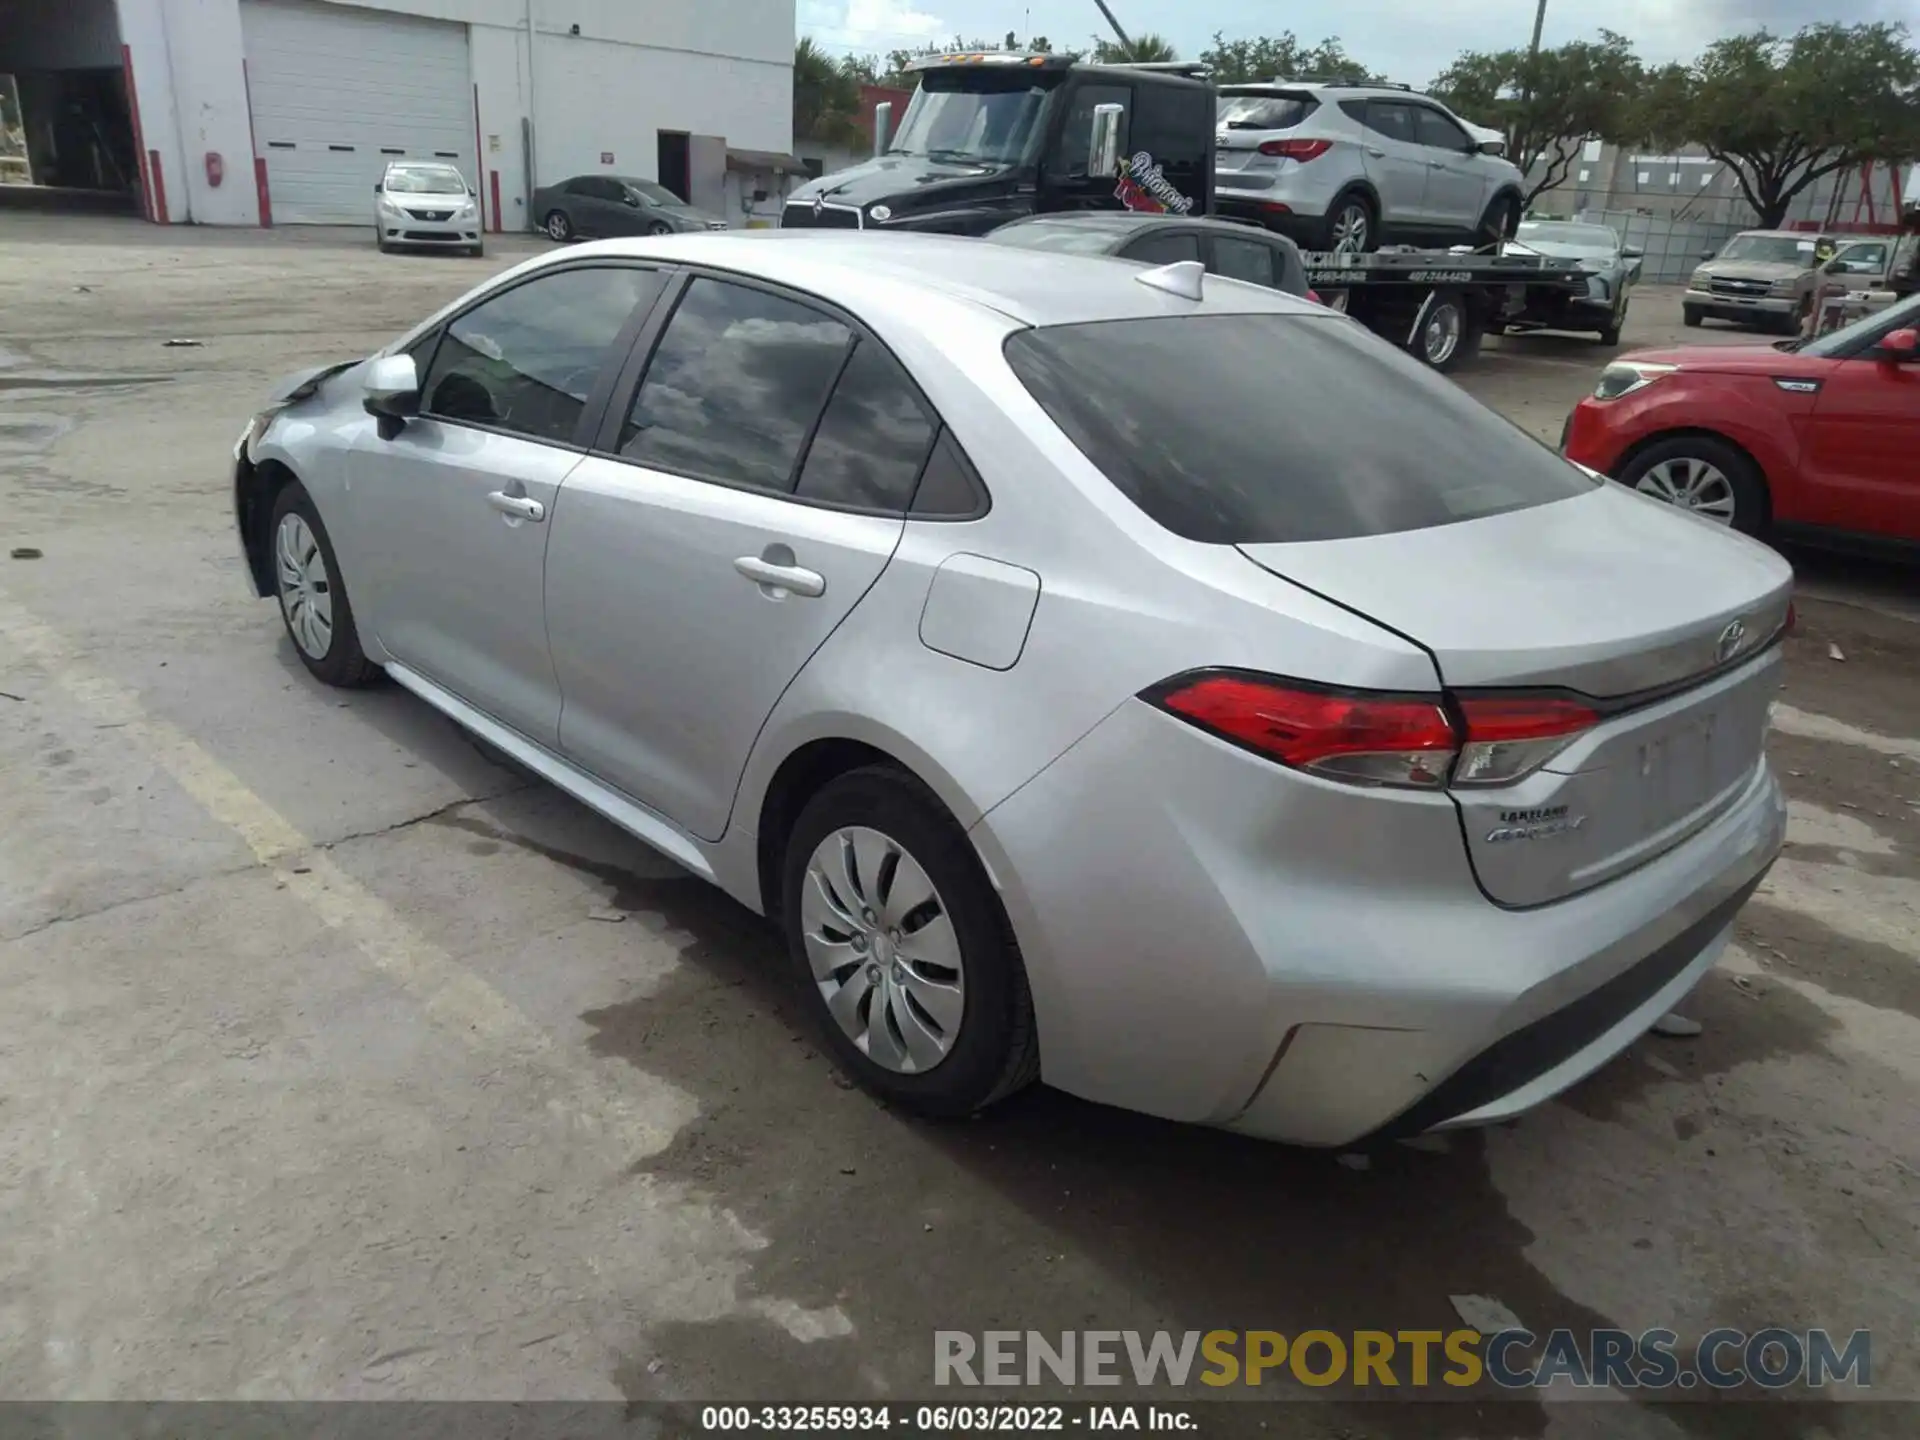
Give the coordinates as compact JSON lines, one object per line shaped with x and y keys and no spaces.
{"x":871,"y":25}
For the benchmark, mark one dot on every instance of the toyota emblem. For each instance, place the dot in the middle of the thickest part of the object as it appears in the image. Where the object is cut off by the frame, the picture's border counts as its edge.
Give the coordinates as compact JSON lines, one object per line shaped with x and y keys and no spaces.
{"x":1731,"y":639}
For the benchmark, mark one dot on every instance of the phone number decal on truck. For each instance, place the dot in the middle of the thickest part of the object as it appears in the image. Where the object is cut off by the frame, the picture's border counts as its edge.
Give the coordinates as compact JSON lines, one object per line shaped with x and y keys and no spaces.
{"x":1441,"y":277}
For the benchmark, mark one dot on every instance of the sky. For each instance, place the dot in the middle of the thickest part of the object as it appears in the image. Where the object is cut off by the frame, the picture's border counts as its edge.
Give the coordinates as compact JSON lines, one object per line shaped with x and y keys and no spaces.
{"x":1407,"y":40}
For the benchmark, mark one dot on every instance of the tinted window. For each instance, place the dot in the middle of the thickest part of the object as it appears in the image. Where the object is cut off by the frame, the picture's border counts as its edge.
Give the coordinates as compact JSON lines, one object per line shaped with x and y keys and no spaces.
{"x":1186,"y":418}
{"x":1161,"y":248}
{"x":734,"y":386}
{"x":872,"y":439}
{"x":1264,"y":112}
{"x":1437,"y":130}
{"x":949,"y":489}
{"x":581,"y":185}
{"x":1396,"y":122}
{"x":1174,"y":124}
{"x":1075,"y":139}
{"x":525,"y":361}
{"x":1239,"y":259}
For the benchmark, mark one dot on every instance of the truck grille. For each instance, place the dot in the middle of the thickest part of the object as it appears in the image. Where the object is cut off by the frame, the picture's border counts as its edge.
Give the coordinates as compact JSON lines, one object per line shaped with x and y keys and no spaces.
{"x":1739,"y":287}
{"x":800,"y":215}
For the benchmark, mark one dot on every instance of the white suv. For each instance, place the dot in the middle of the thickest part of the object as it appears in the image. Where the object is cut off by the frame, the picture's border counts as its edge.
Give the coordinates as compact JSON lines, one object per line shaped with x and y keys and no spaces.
{"x":1350,"y":167}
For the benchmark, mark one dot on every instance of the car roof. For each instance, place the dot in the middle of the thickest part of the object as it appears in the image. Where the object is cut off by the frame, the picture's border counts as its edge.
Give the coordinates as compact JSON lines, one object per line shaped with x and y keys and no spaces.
{"x":1125,"y":222}
{"x":1033,"y":287}
{"x":402,"y":163}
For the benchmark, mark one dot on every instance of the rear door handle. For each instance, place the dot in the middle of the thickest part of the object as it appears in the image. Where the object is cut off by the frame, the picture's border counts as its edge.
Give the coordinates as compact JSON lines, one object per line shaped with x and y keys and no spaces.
{"x":794,"y":579}
{"x":1436,"y":164}
{"x":521,"y":507}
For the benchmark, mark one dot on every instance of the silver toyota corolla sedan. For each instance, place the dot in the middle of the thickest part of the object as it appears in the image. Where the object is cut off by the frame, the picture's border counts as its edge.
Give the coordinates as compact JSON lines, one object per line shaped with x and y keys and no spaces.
{"x":1299,"y":749}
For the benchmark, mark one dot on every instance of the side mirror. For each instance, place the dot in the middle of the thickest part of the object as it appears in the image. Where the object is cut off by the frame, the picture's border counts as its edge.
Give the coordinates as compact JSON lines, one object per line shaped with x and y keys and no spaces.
{"x":1631,"y":252}
{"x":882,"y":126}
{"x":1901,"y":347}
{"x":392,"y":391}
{"x":1103,"y":145}
{"x":376,"y":187}
{"x":1708,"y":254}
{"x":1491,"y":147}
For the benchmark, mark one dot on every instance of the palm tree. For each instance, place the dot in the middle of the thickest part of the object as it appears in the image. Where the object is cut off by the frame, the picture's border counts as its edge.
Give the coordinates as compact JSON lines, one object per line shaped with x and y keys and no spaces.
{"x":826,"y":97}
{"x":1142,"y":49}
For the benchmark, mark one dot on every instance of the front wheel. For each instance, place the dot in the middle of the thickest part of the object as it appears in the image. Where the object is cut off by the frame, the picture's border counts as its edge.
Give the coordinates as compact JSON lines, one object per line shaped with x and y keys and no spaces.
{"x":1690,"y":316}
{"x":659,"y":227}
{"x":1610,"y":333}
{"x":901,"y":943}
{"x":313,"y":597}
{"x":1704,"y":476}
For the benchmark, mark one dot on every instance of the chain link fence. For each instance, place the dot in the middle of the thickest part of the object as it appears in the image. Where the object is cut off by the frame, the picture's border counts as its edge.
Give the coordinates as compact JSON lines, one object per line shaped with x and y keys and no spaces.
{"x":1672,"y":246}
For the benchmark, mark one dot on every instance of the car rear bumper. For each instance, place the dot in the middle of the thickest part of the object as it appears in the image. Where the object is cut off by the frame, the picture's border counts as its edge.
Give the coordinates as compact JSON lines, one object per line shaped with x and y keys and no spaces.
{"x":1212,"y":938}
{"x":1740,"y":307}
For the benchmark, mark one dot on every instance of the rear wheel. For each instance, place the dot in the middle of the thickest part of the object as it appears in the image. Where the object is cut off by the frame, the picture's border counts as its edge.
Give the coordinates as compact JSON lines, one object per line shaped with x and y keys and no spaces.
{"x":558,"y":227}
{"x":1448,"y":335}
{"x":313,"y":597}
{"x":1705,"y":476}
{"x":897,"y":936}
{"x":1349,"y":225}
{"x":1501,"y":222}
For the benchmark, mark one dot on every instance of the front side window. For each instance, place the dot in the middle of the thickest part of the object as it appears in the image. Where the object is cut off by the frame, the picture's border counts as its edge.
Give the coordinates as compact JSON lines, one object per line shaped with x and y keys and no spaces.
{"x":1190,"y":420}
{"x":1859,"y":338}
{"x":873,"y":438}
{"x":734,"y":386}
{"x":525,"y":361}
{"x":1074,"y":152}
{"x":1438,"y":132}
{"x":1247,"y":260}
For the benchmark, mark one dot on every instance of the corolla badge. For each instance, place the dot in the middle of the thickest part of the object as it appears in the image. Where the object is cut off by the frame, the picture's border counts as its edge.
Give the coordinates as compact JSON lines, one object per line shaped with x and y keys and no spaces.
{"x":1730,"y":641}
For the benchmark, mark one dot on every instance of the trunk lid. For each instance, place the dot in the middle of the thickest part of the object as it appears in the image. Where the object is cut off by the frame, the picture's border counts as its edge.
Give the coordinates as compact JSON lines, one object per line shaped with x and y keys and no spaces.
{"x":1612,"y":597}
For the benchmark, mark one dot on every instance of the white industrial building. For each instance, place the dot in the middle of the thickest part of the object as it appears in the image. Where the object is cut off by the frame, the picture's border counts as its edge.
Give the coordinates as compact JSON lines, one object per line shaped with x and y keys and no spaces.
{"x":251,"y":112}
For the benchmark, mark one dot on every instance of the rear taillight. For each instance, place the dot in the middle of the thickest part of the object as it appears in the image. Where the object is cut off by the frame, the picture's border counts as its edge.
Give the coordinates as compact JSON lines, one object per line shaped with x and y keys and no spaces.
{"x":1360,"y":737}
{"x":1301,"y":150}
{"x":1371,"y":738}
{"x":1314,"y":296}
{"x":1509,"y":736}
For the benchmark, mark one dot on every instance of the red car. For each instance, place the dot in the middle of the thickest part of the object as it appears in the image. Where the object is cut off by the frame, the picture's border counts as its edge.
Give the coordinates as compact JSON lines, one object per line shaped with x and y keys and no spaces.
{"x":1806,"y":440}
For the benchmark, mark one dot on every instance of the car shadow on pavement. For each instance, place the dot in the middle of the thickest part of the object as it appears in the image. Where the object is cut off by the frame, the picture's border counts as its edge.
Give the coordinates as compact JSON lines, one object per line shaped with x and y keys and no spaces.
{"x":1051,"y":1214}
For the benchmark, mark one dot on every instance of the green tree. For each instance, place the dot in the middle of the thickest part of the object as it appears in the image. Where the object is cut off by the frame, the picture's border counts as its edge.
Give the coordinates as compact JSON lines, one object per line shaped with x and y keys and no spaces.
{"x":826,"y":97}
{"x":1549,"y":105}
{"x":1282,"y":56}
{"x":1782,"y":112}
{"x":1142,"y":49}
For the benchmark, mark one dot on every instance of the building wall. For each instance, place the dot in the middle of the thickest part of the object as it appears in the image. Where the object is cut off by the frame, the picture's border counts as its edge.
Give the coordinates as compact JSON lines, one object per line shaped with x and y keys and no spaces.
{"x":721,"y":68}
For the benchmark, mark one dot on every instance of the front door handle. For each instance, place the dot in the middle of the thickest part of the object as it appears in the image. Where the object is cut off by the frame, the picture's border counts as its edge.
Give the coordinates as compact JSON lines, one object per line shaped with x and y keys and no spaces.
{"x":1376,"y":154}
{"x":1436,"y":164}
{"x":794,"y":579}
{"x":520,"y":507}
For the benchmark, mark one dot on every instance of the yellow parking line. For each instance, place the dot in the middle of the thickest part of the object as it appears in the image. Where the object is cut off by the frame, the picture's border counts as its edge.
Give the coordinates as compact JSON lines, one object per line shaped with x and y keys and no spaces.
{"x":643,"y":1113}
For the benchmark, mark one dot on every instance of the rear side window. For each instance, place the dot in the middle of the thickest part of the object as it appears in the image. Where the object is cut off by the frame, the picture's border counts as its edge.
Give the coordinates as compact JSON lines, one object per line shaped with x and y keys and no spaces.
{"x":1396,"y":122}
{"x":1264,"y":112}
{"x":1248,"y":429}
{"x":734,"y":385}
{"x":873,"y":438}
{"x":1163,"y":249}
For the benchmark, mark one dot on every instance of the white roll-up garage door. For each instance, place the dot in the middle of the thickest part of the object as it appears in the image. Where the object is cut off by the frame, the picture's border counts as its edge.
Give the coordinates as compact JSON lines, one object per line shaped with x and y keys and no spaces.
{"x":338,"y":91}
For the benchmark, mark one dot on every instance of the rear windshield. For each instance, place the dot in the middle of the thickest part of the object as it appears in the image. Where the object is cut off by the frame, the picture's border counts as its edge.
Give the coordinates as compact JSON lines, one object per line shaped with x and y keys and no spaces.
{"x":1249,"y":429}
{"x":1263,"y":112}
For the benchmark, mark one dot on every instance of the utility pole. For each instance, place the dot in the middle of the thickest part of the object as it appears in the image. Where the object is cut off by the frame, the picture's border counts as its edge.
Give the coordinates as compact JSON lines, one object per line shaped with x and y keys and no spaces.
{"x":1539,"y":19}
{"x":1526,"y":85}
{"x":1123,"y":34}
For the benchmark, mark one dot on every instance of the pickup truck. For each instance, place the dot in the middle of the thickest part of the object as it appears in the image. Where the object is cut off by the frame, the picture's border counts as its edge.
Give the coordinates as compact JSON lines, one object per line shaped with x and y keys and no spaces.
{"x":1776,"y":278}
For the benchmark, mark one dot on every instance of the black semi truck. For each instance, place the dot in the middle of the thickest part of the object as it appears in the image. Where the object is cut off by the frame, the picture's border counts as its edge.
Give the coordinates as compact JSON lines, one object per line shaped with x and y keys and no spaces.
{"x":995,"y":136}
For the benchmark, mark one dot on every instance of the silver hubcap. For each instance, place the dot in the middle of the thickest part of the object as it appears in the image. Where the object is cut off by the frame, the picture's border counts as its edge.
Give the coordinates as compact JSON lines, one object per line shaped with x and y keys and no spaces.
{"x":1350,"y":229}
{"x":1692,"y":485}
{"x":557,"y":226}
{"x":883,"y":950}
{"x":306,"y":590}
{"x":1441,"y":334}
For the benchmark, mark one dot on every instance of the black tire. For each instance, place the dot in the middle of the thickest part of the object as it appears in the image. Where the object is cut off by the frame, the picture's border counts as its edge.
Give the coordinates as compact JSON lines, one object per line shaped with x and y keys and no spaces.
{"x":1355,"y":202}
{"x":344,"y":663}
{"x":1690,"y":316}
{"x":659,"y":227}
{"x":1610,"y":334}
{"x":478,"y":252}
{"x":996,"y":1051}
{"x":1501,"y":222}
{"x":558,"y":225}
{"x":1751,"y":504}
{"x":1466,"y":338}
{"x":1795,"y":323}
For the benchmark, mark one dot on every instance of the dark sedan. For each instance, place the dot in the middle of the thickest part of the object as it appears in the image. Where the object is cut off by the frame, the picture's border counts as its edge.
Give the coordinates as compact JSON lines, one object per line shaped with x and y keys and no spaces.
{"x":1237,"y":252}
{"x":592,"y":206}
